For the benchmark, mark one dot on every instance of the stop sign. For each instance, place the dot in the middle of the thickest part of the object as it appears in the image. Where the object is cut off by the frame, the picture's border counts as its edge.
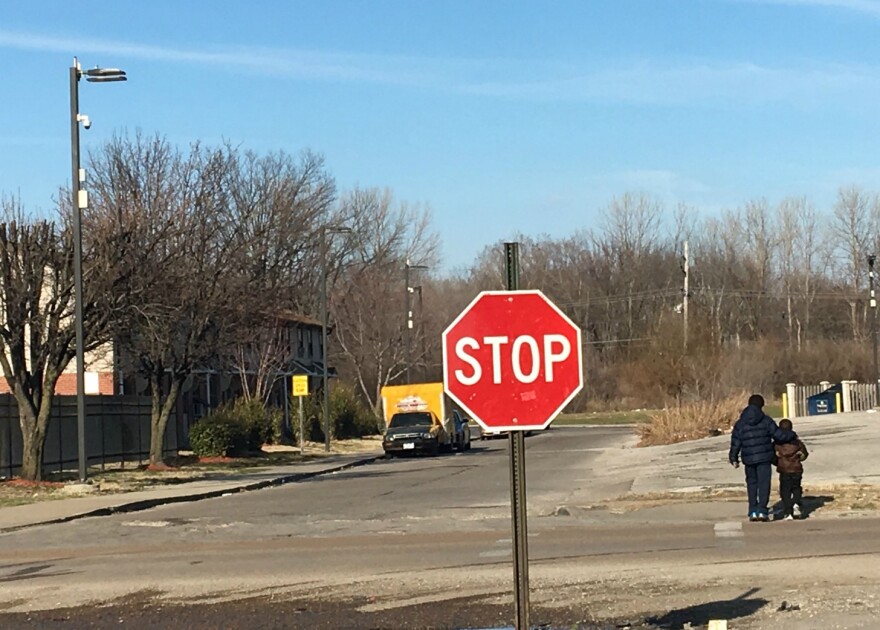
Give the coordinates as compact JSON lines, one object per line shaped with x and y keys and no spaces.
{"x":512,"y":360}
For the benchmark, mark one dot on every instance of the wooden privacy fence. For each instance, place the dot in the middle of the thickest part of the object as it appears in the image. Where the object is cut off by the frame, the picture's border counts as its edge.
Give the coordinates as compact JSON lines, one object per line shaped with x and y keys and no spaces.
{"x":851,"y":396}
{"x":117,"y":431}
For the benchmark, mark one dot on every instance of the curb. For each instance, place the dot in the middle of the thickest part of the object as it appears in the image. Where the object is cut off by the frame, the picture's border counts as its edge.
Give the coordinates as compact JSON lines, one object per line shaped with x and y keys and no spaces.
{"x":146,"y":504}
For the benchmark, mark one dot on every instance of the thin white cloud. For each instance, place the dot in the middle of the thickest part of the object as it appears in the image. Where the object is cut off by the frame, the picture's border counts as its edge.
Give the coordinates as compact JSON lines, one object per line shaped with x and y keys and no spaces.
{"x":641,"y":83}
{"x":277,"y":62}
{"x":871,"y":7}
{"x":701,"y":83}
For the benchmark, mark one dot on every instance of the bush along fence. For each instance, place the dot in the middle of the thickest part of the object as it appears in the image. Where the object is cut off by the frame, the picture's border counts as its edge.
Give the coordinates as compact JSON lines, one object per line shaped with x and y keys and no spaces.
{"x":842,"y":397}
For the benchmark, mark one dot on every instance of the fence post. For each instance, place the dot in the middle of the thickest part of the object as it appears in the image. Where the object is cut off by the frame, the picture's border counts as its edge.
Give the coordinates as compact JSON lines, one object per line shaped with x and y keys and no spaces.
{"x":791,"y":391}
{"x":5,"y":438}
{"x":847,"y":395}
{"x":824,"y":385}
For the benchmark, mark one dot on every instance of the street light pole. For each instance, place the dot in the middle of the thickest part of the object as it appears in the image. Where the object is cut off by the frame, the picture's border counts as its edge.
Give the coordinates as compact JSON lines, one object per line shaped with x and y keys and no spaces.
{"x":408,"y":311}
{"x":324,"y":376}
{"x":407,"y":342}
{"x":80,"y":201}
{"x":873,"y":305}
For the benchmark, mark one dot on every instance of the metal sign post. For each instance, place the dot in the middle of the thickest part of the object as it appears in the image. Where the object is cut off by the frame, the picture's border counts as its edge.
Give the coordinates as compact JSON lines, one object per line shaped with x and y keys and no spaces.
{"x":300,"y":390}
{"x":513,"y":360}
{"x":519,"y":517}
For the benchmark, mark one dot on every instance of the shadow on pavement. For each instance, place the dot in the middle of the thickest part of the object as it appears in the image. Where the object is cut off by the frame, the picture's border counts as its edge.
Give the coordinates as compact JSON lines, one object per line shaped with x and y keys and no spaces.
{"x":813,"y":503}
{"x":809,"y":504}
{"x":701,"y":614}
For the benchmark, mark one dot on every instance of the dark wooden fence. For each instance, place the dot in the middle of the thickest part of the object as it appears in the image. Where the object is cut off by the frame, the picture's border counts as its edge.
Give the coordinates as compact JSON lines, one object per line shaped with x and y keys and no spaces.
{"x":117,"y":432}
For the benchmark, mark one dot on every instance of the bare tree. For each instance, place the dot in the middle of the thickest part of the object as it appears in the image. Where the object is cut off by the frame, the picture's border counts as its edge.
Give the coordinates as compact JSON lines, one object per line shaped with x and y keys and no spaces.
{"x":174,"y":210}
{"x":855,"y":225}
{"x":37,"y":334}
{"x":758,"y":250}
{"x":367,"y":309}
{"x":278,"y":204}
{"x":803,"y":257}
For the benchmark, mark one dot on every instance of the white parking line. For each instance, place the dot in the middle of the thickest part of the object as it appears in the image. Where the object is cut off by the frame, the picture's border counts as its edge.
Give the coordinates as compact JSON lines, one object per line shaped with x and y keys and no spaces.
{"x":729,"y":529}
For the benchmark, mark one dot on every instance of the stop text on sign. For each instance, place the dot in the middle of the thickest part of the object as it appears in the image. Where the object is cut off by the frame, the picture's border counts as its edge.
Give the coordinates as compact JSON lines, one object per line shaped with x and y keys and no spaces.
{"x":527,"y":357}
{"x":512,"y":360}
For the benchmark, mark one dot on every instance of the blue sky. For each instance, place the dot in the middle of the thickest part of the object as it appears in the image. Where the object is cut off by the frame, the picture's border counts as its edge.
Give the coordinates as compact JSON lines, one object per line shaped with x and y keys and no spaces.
{"x":503,"y":117}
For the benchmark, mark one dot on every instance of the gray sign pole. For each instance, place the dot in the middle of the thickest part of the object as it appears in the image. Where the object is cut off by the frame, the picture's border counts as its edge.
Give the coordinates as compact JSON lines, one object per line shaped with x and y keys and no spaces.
{"x":302,"y":438}
{"x":518,"y":483}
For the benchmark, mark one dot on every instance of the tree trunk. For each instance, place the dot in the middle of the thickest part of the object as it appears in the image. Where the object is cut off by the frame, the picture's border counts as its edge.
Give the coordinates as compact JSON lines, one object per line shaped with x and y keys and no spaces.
{"x":32,"y":456}
{"x":160,"y":412}
{"x":33,"y":436}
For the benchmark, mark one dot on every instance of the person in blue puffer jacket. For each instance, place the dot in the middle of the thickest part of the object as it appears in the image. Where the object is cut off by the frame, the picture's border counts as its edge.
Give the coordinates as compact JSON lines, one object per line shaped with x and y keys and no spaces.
{"x":752,"y":441}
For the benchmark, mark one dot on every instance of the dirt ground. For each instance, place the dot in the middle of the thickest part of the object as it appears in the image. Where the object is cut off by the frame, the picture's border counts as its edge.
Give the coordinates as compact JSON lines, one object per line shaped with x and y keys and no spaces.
{"x":623,"y":600}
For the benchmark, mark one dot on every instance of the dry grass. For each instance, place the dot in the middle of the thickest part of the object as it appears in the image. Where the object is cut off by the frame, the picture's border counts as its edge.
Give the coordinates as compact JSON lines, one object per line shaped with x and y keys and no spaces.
{"x":186,"y":468}
{"x":846,"y":497}
{"x":691,"y":421}
{"x":834,"y":499}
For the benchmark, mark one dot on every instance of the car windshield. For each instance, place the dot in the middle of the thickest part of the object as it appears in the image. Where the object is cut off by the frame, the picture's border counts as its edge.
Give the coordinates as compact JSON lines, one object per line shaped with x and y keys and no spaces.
{"x":414,"y":419}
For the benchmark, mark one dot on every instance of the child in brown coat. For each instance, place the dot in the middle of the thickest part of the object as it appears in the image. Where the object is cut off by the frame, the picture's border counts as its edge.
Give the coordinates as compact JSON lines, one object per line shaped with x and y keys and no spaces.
{"x":790,"y":453}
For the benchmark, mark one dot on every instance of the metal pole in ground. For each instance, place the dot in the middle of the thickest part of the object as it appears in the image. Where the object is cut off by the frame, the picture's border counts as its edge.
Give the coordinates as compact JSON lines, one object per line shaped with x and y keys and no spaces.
{"x":407,"y":325}
{"x":302,"y":439}
{"x":77,"y":267}
{"x":518,"y":483}
{"x":873,"y":304}
{"x":324,"y":381}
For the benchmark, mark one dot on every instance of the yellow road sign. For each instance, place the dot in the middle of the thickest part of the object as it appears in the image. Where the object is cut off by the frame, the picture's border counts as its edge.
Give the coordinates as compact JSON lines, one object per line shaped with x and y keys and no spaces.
{"x":300,"y":385}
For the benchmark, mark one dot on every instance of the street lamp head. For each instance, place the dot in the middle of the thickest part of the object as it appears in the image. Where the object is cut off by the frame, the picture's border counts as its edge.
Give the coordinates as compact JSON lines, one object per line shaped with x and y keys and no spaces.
{"x":97,"y":72}
{"x":108,"y":79}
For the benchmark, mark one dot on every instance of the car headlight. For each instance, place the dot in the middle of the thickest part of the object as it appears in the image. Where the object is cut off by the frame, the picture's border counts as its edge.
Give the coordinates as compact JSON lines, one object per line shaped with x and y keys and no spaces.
{"x":428,"y":436}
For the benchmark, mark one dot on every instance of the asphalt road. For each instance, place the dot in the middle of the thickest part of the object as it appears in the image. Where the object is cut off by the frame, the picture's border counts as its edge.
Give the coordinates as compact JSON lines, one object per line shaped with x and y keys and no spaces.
{"x":425,"y":542}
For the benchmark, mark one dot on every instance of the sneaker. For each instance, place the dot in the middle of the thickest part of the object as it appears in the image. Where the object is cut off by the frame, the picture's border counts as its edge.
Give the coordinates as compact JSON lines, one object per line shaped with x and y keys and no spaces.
{"x":753,"y":516}
{"x":788,"y":518}
{"x":763,"y":517}
{"x":796,"y":510}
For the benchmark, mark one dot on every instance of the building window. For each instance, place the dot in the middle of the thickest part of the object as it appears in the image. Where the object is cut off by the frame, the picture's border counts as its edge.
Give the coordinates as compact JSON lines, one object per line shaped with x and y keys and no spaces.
{"x":300,"y":342}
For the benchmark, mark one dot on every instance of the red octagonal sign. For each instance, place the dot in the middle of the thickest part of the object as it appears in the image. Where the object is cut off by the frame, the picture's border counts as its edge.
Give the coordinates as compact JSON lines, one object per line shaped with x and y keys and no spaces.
{"x":512,"y":360}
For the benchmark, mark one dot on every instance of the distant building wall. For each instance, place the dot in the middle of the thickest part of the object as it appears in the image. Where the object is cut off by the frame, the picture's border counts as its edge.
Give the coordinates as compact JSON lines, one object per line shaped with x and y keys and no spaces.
{"x":99,"y":376}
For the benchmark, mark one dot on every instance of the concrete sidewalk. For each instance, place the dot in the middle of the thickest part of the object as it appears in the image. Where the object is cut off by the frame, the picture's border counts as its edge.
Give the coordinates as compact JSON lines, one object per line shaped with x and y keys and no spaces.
{"x":844,"y":449}
{"x":62,"y":510}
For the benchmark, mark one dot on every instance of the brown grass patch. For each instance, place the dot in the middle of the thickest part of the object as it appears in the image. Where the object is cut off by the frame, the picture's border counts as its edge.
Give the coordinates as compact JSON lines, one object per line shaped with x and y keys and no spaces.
{"x":631,"y":502}
{"x":829,"y":498}
{"x":21,"y":491}
{"x":115,"y":479}
{"x":17,"y":482}
{"x":845,"y":497}
{"x":691,"y":421}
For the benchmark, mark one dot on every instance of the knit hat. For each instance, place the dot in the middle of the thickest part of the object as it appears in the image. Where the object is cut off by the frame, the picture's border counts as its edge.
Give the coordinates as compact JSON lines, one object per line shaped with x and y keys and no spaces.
{"x":757,"y":400}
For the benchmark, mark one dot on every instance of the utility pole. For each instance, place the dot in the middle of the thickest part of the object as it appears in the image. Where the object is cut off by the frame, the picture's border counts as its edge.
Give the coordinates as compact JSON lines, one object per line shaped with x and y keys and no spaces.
{"x":408,"y":311}
{"x":80,"y":203}
{"x":684,"y":306}
{"x":325,"y":385}
{"x":873,"y":305}
{"x":407,"y":332}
